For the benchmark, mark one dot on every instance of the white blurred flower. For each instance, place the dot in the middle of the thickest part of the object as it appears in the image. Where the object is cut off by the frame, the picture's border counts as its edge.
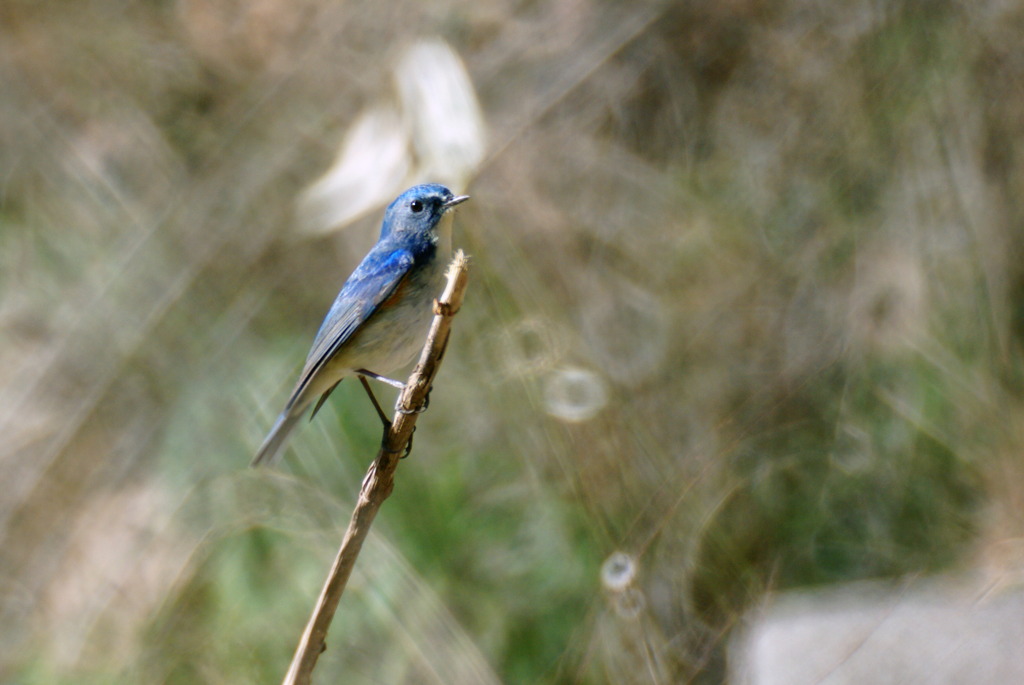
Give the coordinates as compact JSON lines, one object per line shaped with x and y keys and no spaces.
{"x":438,"y":100}
{"x":433,"y":131}
{"x":373,"y":155}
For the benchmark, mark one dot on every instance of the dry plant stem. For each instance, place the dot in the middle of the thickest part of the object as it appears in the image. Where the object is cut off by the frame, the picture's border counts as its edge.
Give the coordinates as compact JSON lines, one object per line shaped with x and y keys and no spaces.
{"x":380,"y":478}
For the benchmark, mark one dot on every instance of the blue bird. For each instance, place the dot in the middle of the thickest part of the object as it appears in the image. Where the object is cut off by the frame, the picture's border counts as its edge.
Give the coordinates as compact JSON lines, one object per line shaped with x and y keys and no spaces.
{"x":379,"y":320}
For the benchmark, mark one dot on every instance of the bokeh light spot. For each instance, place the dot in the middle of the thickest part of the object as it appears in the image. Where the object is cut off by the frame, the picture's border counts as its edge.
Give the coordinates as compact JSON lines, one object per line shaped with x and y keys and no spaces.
{"x":574,"y":394}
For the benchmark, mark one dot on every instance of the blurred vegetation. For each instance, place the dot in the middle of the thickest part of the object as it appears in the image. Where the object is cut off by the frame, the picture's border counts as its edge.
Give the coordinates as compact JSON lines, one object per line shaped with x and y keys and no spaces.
{"x":747,"y":304}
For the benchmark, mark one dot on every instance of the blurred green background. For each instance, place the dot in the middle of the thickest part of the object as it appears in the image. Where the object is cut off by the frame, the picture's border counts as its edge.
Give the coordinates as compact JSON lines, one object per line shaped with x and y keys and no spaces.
{"x":746,"y":306}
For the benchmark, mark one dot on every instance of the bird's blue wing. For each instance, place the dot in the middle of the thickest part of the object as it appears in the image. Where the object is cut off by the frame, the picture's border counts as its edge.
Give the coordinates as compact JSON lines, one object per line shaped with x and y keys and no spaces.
{"x":375,"y":280}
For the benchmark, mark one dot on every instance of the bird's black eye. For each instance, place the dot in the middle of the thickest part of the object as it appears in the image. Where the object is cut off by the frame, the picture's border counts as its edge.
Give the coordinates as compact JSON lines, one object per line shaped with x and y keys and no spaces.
{"x":416,"y":206}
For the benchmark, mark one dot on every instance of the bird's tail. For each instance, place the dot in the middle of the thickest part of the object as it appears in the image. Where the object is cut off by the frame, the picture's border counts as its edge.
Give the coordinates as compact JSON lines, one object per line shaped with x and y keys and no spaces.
{"x":273,"y":445}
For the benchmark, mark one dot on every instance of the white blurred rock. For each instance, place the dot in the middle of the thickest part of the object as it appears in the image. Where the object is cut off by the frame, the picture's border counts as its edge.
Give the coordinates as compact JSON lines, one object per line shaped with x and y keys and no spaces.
{"x":933,"y":634}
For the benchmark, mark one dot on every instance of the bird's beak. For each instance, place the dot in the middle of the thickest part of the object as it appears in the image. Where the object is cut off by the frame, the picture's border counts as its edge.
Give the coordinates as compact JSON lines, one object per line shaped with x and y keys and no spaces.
{"x":457,"y":200}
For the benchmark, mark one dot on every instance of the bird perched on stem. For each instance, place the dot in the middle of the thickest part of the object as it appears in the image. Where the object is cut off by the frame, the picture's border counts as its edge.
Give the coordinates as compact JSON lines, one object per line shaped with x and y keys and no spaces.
{"x":379,"y":319}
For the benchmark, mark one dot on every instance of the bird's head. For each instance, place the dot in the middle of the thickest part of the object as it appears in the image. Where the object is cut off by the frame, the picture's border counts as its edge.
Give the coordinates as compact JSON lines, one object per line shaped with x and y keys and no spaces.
{"x":419,"y":209}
